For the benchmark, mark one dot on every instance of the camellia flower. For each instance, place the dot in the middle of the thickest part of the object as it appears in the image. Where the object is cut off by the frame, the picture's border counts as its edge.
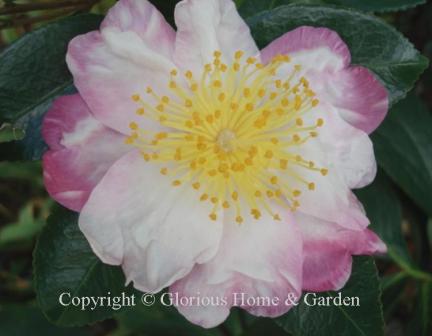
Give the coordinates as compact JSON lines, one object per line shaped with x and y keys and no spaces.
{"x":199,"y":163}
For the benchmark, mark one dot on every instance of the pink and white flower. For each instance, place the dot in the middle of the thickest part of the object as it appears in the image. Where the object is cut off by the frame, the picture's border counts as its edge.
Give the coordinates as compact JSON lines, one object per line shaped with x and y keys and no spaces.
{"x":200,"y":163}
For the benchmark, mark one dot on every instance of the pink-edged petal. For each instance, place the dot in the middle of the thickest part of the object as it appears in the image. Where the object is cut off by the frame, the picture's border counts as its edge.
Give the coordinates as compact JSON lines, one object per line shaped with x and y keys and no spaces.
{"x":157,"y":232}
{"x":256,"y":259}
{"x":325,"y":59}
{"x":81,"y":151}
{"x":328,"y":250}
{"x":205,"y":26}
{"x":131,"y":52}
{"x":142,"y":18}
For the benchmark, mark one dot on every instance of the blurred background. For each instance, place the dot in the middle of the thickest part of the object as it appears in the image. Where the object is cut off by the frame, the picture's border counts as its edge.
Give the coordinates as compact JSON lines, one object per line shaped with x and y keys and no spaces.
{"x":24,"y":206}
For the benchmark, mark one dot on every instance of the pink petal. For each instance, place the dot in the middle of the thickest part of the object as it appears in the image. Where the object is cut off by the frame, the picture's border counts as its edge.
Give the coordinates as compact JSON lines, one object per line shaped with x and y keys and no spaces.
{"x":132,"y":51}
{"x":259,"y":259}
{"x":328,"y":250}
{"x":81,"y":151}
{"x":205,"y":26}
{"x":356,"y":93}
{"x":157,"y":232}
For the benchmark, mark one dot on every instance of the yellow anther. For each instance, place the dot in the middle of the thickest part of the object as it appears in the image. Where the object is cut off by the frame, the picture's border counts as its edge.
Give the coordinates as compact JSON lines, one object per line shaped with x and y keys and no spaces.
{"x":164,"y":171}
{"x":258,"y":193}
{"x":276,"y":217}
{"x":311,"y":186}
{"x":297,"y":67}
{"x":296,"y":193}
{"x":251,"y":60}
{"x":160,"y":108}
{"x":239,"y":219}
{"x":320,"y":122}
{"x":221,"y":97}
{"x":176,"y":183}
{"x":283,"y":164}
{"x":238,"y":55}
{"x":313,"y":134}
{"x":172,"y":85}
{"x":225,"y":205}
{"x":214,"y":200}
{"x":203,"y":197}
{"x":249,"y":107}
{"x":136,"y":97}
{"x":133,"y":126}
{"x":217,"y":54}
{"x":246,"y":92}
{"x":296,"y":138}
{"x":174,"y":72}
{"x":299,"y":122}
{"x":217,"y":84}
{"x":235,"y":195}
{"x":269,"y":154}
{"x":213,"y":216}
{"x":140,"y":111}
{"x":194,"y":87}
{"x":269,"y":193}
{"x":208,"y":67}
{"x":315,"y":102}
{"x":261,"y":93}
{"x":274,"y":180}
{"x":274,"y":141}
{"x":324,"y":171}
{"x":149,"y":90}
{"x":165,"y":100}
{"x":236,"y":67}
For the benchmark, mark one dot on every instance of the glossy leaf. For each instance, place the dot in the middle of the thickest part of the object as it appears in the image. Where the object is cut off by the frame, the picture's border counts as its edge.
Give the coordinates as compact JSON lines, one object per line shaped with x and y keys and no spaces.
{"x":33,"y":72}
{"x":64,"y":262}
{"x":372,"y":43}
{"x":365,"y":319}
{"x":384,"y":212}
{"x":23,"y":320}
{"x":250,"y":7}
{"x":403,"y":149}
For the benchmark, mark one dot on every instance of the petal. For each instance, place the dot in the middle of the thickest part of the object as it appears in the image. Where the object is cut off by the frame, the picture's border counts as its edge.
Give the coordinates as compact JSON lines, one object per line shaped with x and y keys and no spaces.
{"x":349,"y":149}
{"x":205,"y":26}
{"x":158,"y":232}
{"x":328,"y":250}
{"x":256,"y":259}
{"x":132,"y":51}
{"x":81,"y":151}
{"x":356,"y":93}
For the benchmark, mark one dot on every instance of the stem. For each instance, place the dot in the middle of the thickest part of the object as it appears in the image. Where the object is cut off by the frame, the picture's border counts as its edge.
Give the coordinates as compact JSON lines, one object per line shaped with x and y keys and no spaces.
{"x":224,"y":330}
{"x":23,"y":8}
{"x":414,"y":273}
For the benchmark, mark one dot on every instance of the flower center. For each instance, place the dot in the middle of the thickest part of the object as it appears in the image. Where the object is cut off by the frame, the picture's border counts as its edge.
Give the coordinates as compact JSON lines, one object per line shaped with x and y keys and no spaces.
{"x":226,"y":140}
{"x":233,"y":134}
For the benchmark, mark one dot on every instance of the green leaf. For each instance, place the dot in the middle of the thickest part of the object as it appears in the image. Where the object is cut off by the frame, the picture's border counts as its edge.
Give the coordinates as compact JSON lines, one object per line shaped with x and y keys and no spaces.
{"x":65,"y":263}
{"x":27,"y":226}
{"x":365,"y":319}
{"x":158,"y":320}
{"x":10,"y":133}
{"x":250,"y":7}
{"x":372,"y":43}
{"x":403,"y":149}
{"x":27,"y":320}
{"x":384,"y":212}
{"x":33,"y":72}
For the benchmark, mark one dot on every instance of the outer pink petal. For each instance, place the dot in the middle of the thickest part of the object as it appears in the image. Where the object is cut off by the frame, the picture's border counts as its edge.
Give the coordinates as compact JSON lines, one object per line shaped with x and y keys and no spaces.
{"x":359,"y":97}
{"x":205,"y":26}
{"x":256,"y":259}
{"x":328,"y":250}
{"x":81,"y":151}
{"x":157,"y":232}
{"x":131,"y":52}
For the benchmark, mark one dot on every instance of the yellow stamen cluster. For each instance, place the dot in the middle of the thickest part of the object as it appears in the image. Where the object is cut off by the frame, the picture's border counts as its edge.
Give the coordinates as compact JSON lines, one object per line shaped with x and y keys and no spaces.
{"x":230,"y":134}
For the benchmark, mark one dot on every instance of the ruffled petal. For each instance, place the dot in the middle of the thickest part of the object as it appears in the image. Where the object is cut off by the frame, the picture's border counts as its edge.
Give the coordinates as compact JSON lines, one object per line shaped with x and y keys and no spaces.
{"x":81,"y":151}
{"x":256,"y":259}
{"x":328,"y":250}
{"x":131,"y":52}
{"x":158,"y":232}
{"x":325,"y":59}
{"x":349,"y":149}
{"x":205,"y":26}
